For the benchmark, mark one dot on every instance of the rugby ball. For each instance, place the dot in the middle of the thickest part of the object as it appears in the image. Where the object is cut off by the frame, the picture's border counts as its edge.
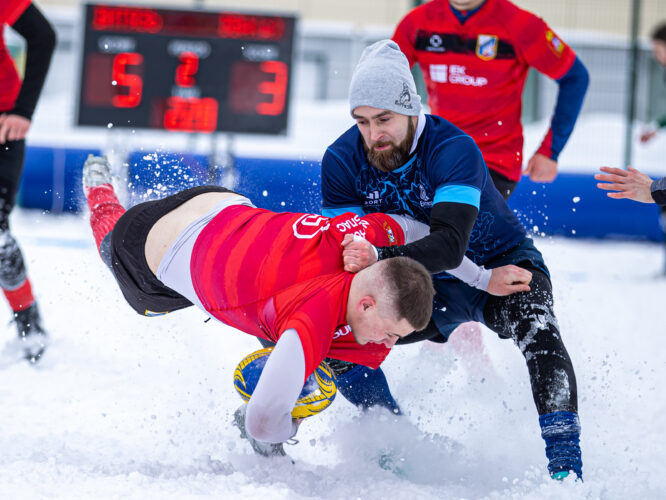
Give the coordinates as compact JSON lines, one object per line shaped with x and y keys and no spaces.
{"x":317,"y":394}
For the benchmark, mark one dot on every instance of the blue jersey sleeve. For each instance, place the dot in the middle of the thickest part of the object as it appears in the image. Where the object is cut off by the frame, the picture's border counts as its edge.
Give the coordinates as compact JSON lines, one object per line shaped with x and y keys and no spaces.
{"x":572,"y":88}
{"x":338,"y":186}
{"x":458,"y":171}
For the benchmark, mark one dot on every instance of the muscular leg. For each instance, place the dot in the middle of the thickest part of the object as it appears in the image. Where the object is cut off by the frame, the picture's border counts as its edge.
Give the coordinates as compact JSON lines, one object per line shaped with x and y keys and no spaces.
{"x":528,"y":319}
{"x":105,"y":208}
{"x":13,"y":276}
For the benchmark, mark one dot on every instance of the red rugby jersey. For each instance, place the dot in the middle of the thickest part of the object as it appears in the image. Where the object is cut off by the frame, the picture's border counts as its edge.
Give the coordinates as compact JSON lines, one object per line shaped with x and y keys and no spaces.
{"x":475,"y":71}
{"x":10,"y":83}
{"x":264,"y":272}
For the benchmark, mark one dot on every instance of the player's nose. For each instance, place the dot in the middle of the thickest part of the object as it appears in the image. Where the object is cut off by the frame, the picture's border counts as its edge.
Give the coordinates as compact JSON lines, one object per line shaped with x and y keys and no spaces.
{"x":390,"y":342}
{"x":376,"y":134}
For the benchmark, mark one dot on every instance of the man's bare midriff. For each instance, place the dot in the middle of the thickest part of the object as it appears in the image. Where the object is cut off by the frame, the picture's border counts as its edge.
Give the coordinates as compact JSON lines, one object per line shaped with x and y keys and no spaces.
{"x":167,"y":228}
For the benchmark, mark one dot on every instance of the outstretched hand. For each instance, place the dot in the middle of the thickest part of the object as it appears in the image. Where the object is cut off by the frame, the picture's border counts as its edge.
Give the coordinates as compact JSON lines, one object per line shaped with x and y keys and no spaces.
{"x":358,"y":253}
{"x":13,"y":127}
{"x":509,"y":279}
{"x":630,"y":184}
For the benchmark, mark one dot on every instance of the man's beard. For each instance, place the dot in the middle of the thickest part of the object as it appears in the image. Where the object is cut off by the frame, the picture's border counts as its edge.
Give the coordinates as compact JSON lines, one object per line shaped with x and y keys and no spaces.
{"x":394,"y":157}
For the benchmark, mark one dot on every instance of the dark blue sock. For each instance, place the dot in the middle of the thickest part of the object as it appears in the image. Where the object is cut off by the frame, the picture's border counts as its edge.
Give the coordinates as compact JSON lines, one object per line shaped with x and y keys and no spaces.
{"x":561,"y":432}
{"x":365,"y":387}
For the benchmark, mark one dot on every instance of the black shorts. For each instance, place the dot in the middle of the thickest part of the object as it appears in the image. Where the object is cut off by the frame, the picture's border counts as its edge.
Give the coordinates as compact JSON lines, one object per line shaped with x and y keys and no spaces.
{"x":141,"y":288}
{"x":12,"y":156}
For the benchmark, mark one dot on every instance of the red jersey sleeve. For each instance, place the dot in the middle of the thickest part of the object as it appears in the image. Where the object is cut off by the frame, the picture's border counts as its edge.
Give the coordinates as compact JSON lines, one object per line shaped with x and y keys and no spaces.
{"x":379,"y":229}
{"x":540,"y":46}
{"x":383,"y":230}
{"x":404,"y":36}
{"x":11,"y":10}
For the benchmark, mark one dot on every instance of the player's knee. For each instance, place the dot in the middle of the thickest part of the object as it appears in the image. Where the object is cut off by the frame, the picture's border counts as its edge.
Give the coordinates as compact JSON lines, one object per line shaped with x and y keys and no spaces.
{"x":12,"y":268}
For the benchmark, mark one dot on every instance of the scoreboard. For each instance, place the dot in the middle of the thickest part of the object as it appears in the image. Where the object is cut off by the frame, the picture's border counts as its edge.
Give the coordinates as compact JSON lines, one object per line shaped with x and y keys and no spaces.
{"x":191,"y":71}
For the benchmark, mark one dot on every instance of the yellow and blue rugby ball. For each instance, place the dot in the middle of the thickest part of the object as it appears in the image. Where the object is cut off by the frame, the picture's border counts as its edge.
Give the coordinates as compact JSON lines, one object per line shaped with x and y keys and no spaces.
{"x":318,"y":392}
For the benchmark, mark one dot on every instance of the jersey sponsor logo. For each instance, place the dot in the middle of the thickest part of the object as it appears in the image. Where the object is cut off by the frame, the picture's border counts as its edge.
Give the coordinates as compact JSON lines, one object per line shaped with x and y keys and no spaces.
{"x":309,"y":225}
{"x":425,"y":200}
{"x":435,"y":44}
{"x":455,"y":75}
{"x":355,"y":225}
{"x":372,"y":199}
{"x":404,"y":99}
{"x":439,"y":72}
{"x":486,"y":47}
{"x":342,"y":331}
{"x":555,"y":44}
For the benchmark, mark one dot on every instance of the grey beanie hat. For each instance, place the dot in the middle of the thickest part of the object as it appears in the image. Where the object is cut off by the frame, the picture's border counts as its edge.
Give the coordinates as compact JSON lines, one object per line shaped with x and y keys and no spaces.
{"x":382,"y":79}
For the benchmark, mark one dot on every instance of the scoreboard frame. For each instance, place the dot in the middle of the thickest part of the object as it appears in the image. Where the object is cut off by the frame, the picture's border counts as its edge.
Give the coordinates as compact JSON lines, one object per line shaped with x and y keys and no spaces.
{"x":185,"y":70}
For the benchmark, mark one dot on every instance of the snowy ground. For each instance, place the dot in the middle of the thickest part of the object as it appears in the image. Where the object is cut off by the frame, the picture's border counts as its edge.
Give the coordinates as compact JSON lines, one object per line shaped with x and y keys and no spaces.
{"x":128,"y":407}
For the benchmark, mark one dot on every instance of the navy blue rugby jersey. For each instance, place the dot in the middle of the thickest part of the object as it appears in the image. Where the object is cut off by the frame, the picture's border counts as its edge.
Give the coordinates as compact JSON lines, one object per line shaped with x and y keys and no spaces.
{"x":446,"y":166}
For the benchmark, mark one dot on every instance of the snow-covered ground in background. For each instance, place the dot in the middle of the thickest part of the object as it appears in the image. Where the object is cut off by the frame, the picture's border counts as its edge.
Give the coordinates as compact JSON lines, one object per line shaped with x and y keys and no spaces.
{"x":128,"y":407}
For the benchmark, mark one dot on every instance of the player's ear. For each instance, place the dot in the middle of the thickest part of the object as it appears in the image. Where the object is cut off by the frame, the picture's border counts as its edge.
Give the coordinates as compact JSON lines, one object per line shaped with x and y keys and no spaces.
{"x":366,"y":302}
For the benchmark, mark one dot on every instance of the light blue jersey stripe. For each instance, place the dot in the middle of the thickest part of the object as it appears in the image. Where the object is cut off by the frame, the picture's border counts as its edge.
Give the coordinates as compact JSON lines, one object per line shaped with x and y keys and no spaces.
{"x":334,"y":212}
{"x":458,"y":194}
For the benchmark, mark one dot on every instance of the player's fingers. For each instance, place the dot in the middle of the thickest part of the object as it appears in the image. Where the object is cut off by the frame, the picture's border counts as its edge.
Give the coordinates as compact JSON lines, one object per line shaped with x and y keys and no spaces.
{"x":351,"y":268}
{"x":609,"y":187}
{"x":347,"y":239}
{"x":614,"y":170}
{"x":12,"y":133}
{"x":619,"y":195}
{"x":522,"y":276}
{"x":3,"y":133}
{"x":613,"y":178}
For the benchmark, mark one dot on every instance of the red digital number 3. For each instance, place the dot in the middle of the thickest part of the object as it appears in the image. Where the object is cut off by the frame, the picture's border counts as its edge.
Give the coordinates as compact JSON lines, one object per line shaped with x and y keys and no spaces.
{"x":134,"y":82}
{"x":277,"y":88}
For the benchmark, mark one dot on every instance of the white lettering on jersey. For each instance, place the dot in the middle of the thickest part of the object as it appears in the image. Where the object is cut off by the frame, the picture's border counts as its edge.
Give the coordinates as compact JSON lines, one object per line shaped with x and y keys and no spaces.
{"x":307,"y":226}
{"x":455,"y":75}
{"x":354,"y":224}
{"x":341,"y":332}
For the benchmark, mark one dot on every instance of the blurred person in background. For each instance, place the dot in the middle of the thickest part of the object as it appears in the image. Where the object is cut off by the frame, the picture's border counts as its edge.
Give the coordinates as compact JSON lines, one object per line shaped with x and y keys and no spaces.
{"x":475,"y":56}
{"x":659,"y":53}
{"x":650,"y":132}
{"x":17,"y":104}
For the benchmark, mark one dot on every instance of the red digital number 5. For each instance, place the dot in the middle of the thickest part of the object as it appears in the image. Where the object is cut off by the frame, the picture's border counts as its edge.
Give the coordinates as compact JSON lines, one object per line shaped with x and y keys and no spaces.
{"x":134,"y":82}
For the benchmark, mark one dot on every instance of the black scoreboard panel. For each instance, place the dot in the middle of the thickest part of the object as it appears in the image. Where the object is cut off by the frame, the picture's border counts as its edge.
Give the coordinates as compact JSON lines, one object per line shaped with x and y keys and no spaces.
{"x":193,"y":71}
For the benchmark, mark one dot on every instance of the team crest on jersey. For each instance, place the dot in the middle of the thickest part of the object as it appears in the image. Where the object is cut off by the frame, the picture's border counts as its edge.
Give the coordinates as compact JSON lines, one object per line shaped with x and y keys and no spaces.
{"x":486,"y":47}
{"x":425,"y":199}
{"x":555,"y":44}
{"x":389,"y":233}
{"x":404,"y":99}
